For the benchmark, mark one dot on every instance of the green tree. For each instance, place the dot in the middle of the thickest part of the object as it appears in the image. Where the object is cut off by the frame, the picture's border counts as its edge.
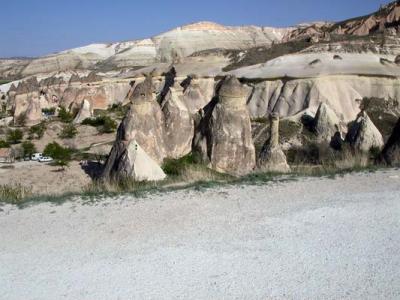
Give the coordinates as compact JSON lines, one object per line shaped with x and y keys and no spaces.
{"x":65,"y":116}
{"x":14,"y":136}
{"x":28,"y":148}
{"x":68,"y":132}
{"x":4,"y":144}
{"x":104,"y":124}
{"x":37,"y":131}
{"x":61,"y":155}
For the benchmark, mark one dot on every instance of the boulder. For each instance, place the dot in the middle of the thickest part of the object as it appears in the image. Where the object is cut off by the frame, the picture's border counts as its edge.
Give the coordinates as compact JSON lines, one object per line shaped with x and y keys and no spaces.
{"x":363,"y":135}
{"x":179,"y":127}
{"x":223,"y":138}
{"x":84,"y":112}
{"x":272,"y":158}
{"x":391,"y":151}
{"x":326,"y":123}
{"x":127,"y":160}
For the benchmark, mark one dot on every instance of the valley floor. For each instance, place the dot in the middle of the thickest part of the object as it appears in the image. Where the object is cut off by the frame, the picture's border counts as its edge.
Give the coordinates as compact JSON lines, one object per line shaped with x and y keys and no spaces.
{"x":305,"y":239}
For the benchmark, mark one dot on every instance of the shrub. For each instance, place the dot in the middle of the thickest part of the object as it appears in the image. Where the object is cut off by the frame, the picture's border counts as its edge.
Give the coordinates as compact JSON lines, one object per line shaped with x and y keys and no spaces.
{"x":68,"y":132}
{"x":104,"y":124}
{"x":49,"y":111}
{"x":28,"y":148}
{"x":62,"y":156}
{"x":175,"y":167}
{"x":37,"y":131}
{"x":65,"y":116}
{"x":4,"y":144}
{"x":14,"y":136}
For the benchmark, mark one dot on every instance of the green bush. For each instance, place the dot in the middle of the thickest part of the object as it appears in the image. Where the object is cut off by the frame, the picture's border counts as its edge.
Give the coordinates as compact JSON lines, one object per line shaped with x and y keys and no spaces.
{"x":103,"y":123}
{"x":4,"y":144}
{"x":37,"y":131}
{"x":174,"y":167}
{"x":14,"y":136}
{"x":49,"y":111}
{"x":69,"y":131}
{"x":65,"y":116}
{"x":61,"y":155}
{"x":28,"y":148}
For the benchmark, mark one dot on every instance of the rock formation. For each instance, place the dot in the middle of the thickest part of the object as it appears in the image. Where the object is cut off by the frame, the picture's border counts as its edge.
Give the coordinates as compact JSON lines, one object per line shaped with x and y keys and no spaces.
{"x":326,"y":123}
{"x":128,"y":160}
{"x":223,"y":138}
{"x":363,"y":135}
{"x":272,"y":158}
{"x":145,"y":121}
{"x":391,"y":152}
{"x":84,"y":112}
{"x":179,"y":126}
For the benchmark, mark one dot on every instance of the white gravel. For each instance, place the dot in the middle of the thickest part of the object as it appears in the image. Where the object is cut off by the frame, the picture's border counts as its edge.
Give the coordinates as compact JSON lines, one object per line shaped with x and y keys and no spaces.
{"x":306,"y":239}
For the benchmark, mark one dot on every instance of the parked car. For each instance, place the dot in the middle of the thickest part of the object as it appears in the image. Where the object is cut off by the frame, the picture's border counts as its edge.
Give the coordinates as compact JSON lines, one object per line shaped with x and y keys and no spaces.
{"x":45,"y":159}
{"x":36,"y":156}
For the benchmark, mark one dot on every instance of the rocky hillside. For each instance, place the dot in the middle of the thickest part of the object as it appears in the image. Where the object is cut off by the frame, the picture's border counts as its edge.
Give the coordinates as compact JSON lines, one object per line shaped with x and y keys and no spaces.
{"x":234,"y":99}
{"x":167,"y":47}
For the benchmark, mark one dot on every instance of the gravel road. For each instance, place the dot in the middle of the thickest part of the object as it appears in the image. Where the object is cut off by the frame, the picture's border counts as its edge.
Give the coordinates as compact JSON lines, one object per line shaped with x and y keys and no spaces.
{"x":313,"y":238}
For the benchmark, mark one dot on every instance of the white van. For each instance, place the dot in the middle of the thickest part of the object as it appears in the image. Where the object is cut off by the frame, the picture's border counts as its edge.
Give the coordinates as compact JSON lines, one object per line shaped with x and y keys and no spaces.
{"x":36,"y":156}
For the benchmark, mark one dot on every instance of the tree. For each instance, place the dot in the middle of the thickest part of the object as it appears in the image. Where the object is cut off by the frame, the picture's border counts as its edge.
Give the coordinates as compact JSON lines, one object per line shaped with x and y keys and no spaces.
{"x":68,"y":132}
{"x":14,"y":136}
{"x":109,"y":125}
{"x":62,"y":156}
{"x":37,"y":131}
{"x":65,"y":116}
{"x":4,"y":144}
{"x":28,"y":148}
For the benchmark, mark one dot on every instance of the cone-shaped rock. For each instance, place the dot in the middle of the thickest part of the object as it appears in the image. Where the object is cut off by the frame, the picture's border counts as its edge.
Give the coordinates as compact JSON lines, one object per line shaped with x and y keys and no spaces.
{"x":84,"y":112}
{"x":363,"y":134}
{"x":224,"y":137}
{"x":326,"y":123}
{"x":144,"y":122}
{"x":391,"y":152}
{"x":129,"y":160}
{"x":272,"y":158}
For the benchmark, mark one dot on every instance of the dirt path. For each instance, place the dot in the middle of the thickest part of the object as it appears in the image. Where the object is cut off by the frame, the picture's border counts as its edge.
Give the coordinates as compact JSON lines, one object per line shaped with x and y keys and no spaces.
{"x":308,"y":239}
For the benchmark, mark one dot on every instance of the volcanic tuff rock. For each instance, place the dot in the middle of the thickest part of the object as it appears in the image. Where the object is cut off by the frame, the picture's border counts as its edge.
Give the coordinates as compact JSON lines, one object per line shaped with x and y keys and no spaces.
{"x":179,"y":126}
{"x":145,"y":121}
{"x":166,"y":47}
{"x":363,"y":135}
{"x":272,"y":158}
{"x":391,"y":152}
{"x":223,"y":137}
{"x":128,"y":160}
{"x":84,"y":112}
{"x":326,"y":123}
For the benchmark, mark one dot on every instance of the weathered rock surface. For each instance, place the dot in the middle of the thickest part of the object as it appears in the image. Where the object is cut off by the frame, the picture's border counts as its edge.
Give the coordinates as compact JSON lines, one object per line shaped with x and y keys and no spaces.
{"x":84,"y":112}
{"x":128,"y":160}
{"x":272,"y":158}
{"x":363,"y":135}
{"x":179,"y":126}
{"x":145,"y":122}
{"x":223,"y":137}
{"x":391,"y":152}
{"x":326,"y":123}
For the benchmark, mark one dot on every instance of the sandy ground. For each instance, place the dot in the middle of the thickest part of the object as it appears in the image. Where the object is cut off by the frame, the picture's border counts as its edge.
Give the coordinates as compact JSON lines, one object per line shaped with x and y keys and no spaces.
{"x":306,"y":239}
{"x":44,"y":179}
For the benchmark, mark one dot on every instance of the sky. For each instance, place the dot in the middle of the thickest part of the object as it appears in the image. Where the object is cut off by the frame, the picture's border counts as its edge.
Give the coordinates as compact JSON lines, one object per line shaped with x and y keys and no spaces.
{"x":38,"y":27}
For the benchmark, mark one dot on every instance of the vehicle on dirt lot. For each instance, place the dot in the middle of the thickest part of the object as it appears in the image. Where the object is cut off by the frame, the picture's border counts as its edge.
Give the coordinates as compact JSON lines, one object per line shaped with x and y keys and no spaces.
{"x":45,"y":159}
{"x":36,"y":156}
